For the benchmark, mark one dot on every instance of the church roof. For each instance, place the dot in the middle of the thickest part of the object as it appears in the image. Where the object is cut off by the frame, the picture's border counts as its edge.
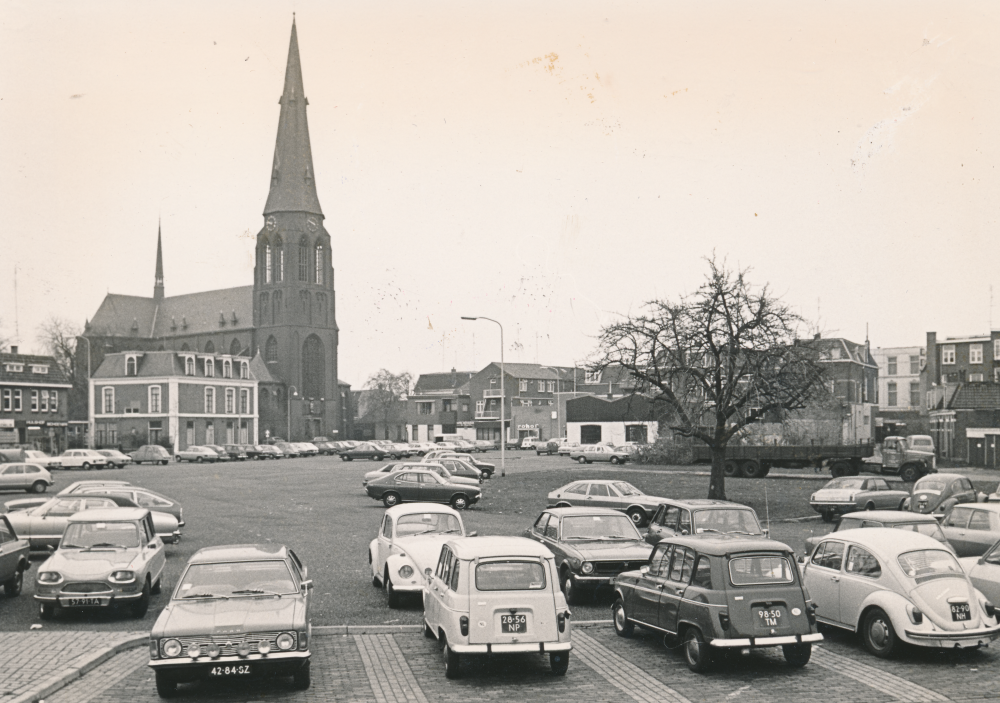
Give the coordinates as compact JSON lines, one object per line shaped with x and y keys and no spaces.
{"x":260,"y":371}
{"x":194,"y":313}
{"x":293,"y":184}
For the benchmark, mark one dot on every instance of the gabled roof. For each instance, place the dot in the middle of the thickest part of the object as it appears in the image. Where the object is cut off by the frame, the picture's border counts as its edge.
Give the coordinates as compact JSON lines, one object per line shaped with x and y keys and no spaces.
{"x":259,"y":370}
{"x":157,"y":364}
{"x":177,"y":315}
{"x":976,"y":396}
{"x":437,"y":383}
{"x":55,"y":375}
{"x":840,"y":349}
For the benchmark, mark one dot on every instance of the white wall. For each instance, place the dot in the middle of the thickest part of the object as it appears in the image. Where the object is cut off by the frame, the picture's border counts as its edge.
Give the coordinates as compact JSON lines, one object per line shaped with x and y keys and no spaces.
{"x":613,"y":432}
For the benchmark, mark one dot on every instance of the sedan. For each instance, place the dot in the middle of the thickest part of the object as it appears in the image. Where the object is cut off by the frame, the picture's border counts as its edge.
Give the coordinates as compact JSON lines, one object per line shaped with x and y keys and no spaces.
{"x":235,"y":452}
{"x":895,"y":586}
{"x":251,"y":451}
{"x":365,"y":450}
{"x":403,"y":465}
{"x":151,"y":500}
{"x":617,"y":495}
{"x":116,"y":459}
{"x":985,"y":572}
{"x":936,"y":493}
{"x":197,"y":454}
{"x":849,"y":493}
{"x":24,"y":477}
{"x":422,"y":486}
{"x":459,"y":467}
{"x":307,"y":448}
{"x":483,"y":467}
{"x":14,"y":562}
{"x":82,"y":459}
{"x":34,"y":456}
{"x":898,"y":520}
{"x":219,"y":451}
{"x":972,"y":529}
{"x":589,"y":453}
{"x":287,"y":449}
{"x":269,"y":451}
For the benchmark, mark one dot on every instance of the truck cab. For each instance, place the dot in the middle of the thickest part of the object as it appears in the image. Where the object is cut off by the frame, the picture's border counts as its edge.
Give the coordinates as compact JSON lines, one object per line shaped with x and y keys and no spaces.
{"x":909,"y":462}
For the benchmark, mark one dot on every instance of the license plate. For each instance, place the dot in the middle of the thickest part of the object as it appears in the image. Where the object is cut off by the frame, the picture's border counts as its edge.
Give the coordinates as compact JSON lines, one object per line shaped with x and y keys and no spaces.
{"x":513,"y":624}
{"x":234,"y":670}
{"x":82,"y":602}
{"x":771,"y":617}
{"x":960,"y":611}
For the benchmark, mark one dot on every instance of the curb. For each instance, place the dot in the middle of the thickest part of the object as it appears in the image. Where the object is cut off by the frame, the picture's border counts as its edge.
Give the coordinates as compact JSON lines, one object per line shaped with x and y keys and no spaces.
{"x":77,"y":668}
{"x":343,"y":630}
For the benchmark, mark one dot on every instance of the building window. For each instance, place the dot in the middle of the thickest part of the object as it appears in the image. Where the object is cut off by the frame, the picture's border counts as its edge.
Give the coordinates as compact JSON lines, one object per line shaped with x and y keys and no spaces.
{"x":891,"y":400}
{"x":106,"y":434}
{"x":480,"y":406}
{"x":209,"y":402}
{"x":271,"y":350}
{"x":154,"y":399}
{"x":541,"y":386}
{"x":915,"y":394}
{"x":592,"y":377}
{"x":189,"y":433}
{"x":319,"y":264}
{"x":996,"y":375}
{"x":447,"y":405}
{"x":189,"y":366}
{"x":53,"y":401}
{"x":892,"y":366}
{"x":130,"y":366}
{"x":524,"y":386}
{"x":6,"y":399}
{"x":109,"y":401}
{"x":493,"y":383}
{"x":996,"y":350}
{"x":244,"y":401}
{"x":267,"y":264}
{"x":230,"y":401}
{"x":155,"y":427}
{"x":227,"y":368}
{"x":552,"y":386}
{"x":45,"y":402}
{"x":303,"y":261}
{"x":975,"y":378}
{"x":279,"y":262}
{"x":17,"y":400}
{"x":39,"y":369}
{"x":210,"y":368}
{"x":34,"y":401}
{"x":636,"y":433}
{"x":948,"y":354}
{"x":14,"y":368}
{"x":425,"y":408}
{"x":244,"y":370}
{"x":975,"y":353}
{"x":465,"y":407}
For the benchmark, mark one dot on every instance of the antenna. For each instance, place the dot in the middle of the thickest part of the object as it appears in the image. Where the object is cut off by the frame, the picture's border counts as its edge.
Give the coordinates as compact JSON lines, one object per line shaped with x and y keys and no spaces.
{"x":767,"y":510}
{"x":17,"y":322}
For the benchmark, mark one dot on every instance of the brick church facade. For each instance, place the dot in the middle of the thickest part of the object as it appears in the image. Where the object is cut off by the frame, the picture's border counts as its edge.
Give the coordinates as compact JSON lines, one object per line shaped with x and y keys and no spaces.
{"x":287,"y":317}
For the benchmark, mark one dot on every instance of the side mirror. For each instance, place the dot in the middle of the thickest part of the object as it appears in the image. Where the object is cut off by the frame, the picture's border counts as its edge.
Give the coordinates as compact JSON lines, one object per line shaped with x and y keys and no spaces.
{"x":767,"y":532}
{"x":644,"y":569}
{"x":306,"y":585}
{"x":801,"y":559}
{"x":472,"y":534}
{"x":427,"y":573}
{"x":50,"y":548}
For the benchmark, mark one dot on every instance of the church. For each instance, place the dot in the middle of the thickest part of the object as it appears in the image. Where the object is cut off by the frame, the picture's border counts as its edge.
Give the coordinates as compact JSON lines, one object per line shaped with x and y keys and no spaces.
{"x":285,"y":322}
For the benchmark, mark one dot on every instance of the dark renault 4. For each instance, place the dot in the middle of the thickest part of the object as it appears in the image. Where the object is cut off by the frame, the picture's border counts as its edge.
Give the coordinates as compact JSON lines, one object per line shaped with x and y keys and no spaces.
{"x":714,"y":592}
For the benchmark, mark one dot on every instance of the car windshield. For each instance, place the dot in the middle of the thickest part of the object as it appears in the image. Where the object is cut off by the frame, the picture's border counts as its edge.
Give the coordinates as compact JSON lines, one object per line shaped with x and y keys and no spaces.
{"x":236,"y":578}
{"x":599,"y":527}
{"x":83,"y":535}
{"x":759,"y":569}
{"x":727,"y":520}
{"x":930,"y":486}
{"x":627,"y":489}
{"x":510,"y":576}
{"x":850,"y":482}
{"x":427,"y":523}
{"x":931,"y":529}
{"x":926,"y":564}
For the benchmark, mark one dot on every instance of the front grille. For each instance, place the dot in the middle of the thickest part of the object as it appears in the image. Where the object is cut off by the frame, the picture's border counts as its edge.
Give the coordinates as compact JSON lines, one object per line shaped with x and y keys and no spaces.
{"x":229,"y":643}
{"x":616,"y":567}
{"x":86,"y":587}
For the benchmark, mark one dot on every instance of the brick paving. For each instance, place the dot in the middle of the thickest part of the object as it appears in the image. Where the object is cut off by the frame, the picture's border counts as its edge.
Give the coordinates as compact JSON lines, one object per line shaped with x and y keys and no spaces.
{"x":388,"y":673}
{"x":92,"y":685}
{"x":621,"y":673}
{"x":880,"y":680}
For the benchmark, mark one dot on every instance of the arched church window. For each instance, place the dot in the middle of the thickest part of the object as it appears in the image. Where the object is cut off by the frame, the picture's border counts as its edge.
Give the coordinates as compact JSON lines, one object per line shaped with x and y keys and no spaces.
{"x":313,"y":368}
{"x":279,"y":260}
{"x":276,"y":307}
{"x":267,"y":264}
{"x":318,"y":277}
{"x":185,"y":347}
{"x":303,"y":260}
{"x":271,"y":350}
{"x":306,"y":308}
{"x":265,"y":313}
{"x":209,"y":347}
{"x":235,"y":348}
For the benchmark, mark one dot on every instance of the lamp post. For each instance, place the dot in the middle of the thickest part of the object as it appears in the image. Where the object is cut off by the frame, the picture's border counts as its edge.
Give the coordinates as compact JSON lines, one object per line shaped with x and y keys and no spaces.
{"x":292,"y":390}
{"x":503,"y":397}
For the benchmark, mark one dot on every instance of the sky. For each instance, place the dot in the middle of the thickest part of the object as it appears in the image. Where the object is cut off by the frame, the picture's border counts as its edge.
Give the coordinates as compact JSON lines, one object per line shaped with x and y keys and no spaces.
{"x":552,"y":165}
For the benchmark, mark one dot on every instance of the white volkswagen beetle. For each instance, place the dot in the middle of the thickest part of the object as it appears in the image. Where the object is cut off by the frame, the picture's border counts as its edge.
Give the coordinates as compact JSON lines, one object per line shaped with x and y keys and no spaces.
{"x":409,"y":541}
{"x":895,"y":586}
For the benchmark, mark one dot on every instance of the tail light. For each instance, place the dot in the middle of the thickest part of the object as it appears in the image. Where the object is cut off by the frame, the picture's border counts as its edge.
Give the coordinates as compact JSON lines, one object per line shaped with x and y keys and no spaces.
{"x":463,"y":623}
{"x":561,"y":619}
{"x":811,"y":613}
{"x":916,"y":616}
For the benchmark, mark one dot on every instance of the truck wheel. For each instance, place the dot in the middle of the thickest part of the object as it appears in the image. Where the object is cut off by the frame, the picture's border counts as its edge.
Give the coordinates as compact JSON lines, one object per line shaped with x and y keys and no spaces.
{"x":909,"y":473}
{"x":751,"y":469}
{"x":730,"y":469}
{"x":840,"y":468}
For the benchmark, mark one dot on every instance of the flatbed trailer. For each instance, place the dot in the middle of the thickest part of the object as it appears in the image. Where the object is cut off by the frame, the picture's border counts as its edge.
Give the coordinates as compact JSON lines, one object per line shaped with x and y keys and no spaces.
{"x":755,"y":461}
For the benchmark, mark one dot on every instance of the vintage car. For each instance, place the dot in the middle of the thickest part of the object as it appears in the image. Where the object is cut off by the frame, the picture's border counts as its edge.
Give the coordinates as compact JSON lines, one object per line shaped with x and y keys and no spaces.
{"x":719,"y":591}
{"x":269,"y":451}
{"x":116,"y":459}
{"x":156,"y":502}
{"x":496,"y":595}
{"x":591,"y":545}
{"x":483,"y":467}
{"x":236,"y":452}
{"x":364,"y":450}
{"x":43,"y":525}
{"x":550,"y":446}
{"x":85,"y":459}
{"x":617,"y":495}
{"x":936,"y":493}
{"x":589,"y":453}
{"x":324,"y":444}
{"x":460,"y":467}
{"x":35,"y":456}
{"x":220,"y":451}
{"x":421,"y":448}
{"x":306,"y":448}
{"x":984,"y":572}
{"x":972,"y":529}
{"x":675,"y":517}
{"x":849,"y":493}
{"x":409,"y":541}
{"x":106,"y":557}
{"x":196,"y":453}
{"x":485,"y":445}
{"x":396,"y":450}
{"x":238,"y":612}
{"x":430,"y":466}
{"x":24,"y":477}
{"x":895,"y":586}
{"x":13,"y":558}
{"x":150,"y":454}
{"x":895,"y":519}
{"x":288,"y":449}
{"x":422,"y":486}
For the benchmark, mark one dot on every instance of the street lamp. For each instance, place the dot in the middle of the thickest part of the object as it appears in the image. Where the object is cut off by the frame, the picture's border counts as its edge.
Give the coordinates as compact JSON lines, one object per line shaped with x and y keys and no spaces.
{"x":292,"y":390}
{"x":503,"y":396}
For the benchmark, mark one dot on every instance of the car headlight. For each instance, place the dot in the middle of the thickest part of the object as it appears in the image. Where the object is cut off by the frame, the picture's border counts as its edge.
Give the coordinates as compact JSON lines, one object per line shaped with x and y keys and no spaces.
{"x":285,"y":641}
{"x":123,"y":577}
{"x":172,"y":648}
{"x":243,"y":649}
{"x":213,"y":650}
{"x":194,"y":650}
{"x":263,"y":646}
{"x":812,"y":497}
{"x":587,"y":567}
{"x":406,"y":571}
{"x":49,"y":577}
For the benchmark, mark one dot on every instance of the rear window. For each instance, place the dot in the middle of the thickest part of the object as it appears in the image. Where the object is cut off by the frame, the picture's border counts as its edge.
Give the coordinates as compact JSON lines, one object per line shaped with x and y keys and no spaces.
{"x":754,"y":570}
{"x":927,"y":564}
{"x":510,"y":576}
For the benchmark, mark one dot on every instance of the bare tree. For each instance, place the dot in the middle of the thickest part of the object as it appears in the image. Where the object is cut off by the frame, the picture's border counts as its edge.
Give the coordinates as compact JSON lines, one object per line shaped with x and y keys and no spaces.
{"x":717,"y":360}
{"x":385,"y":397}
{"x":58,"y":338}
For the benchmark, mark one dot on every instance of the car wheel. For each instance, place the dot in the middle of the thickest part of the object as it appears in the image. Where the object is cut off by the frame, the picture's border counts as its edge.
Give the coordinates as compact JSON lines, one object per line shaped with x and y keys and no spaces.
{"x":869,"y":505}
{"x":13,"y":587}
{"x":302,"y":679}
{"x":902,"y":504}
{"x":157,"y":587}
{"x":38,"y":487}
{"x":165,"y":462}
{"x":46,"y":611}
{"x":451,"y":661}
{"x":827,"y":515}
{"x":86,"y":466}
{"x":878,"y":634}
{"x":199,"y":460}
{"x":582,"y":460}
{"x":569,"y":588}
{"x":166,"y":687}
{"x":623,"y":626}
{"x":459,"y":502}
{"x":559,"y":661}
{"x":141,"y":606}
{"x":390,"y":499}
{"x":428,"y":632}
{"x":696,"y":651}
{"x":614,"y":460}
{"x":638,"y":516}
{"x":797,"y":655}
{"x":909,"y":473}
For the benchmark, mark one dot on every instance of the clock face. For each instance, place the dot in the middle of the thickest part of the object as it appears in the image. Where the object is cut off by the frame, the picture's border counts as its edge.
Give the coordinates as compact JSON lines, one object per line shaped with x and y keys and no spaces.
{"x":270,"y":222}
{"x":312,"y":224}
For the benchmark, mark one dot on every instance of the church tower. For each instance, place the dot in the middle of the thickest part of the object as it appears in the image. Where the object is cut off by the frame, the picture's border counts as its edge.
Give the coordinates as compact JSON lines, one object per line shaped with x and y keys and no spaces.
{"x":295,"y":330}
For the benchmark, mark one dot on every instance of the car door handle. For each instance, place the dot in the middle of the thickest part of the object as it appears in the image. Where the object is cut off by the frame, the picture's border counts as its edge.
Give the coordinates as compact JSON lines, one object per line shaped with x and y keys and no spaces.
{"x":659,"y":586}
{"x":835,"y":578}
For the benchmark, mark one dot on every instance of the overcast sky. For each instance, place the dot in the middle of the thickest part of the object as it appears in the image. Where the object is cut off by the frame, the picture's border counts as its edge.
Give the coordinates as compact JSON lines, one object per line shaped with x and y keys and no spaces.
{"x":548,"y":164}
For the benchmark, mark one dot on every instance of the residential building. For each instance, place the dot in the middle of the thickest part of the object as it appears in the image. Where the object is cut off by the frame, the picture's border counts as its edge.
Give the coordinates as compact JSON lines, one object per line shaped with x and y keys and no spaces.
{"x":440,"y":405}
{"x":33,"y":402}
{"x":851,"y":376}
{"x":597,"y":419}
{"x":287,"y":315}
{"x":900,"y":396}
{"x":176,"y":399}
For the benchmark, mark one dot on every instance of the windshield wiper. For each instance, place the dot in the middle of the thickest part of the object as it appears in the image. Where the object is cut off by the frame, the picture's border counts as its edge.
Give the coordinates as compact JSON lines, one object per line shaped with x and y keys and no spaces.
{"x":616,"y":537}
{"x":103,"y":545}
{"x":204,"y":595}
{"x":255,"y":592}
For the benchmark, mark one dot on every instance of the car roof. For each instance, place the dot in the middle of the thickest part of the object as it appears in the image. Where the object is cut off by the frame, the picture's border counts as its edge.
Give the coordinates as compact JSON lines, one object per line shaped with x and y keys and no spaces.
{"x":893,"y":516}
{"x":720,"y":544}
{"x":991,"y":507}
{"x":483,"y":547}
{"x":94,"y":483}
{"x":887,"y":540}
{"x":704,"y":503}
{"x":417,"y":508}
{"x":944,"y":477}
{"x":109,"y":515}
{"x":239,"y":552}
{"x":583,"y":510}
{"x":607,"y":481}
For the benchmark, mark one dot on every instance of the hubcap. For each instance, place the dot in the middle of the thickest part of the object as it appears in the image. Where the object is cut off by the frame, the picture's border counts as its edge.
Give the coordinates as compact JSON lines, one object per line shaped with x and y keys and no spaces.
{"x":693,"y":650}
{"x":620,"y":617}
{"x":879,"y":634}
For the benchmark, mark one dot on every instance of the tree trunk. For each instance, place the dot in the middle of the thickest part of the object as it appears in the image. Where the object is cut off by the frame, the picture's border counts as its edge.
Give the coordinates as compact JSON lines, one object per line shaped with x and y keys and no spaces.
{"x":717,"y":482}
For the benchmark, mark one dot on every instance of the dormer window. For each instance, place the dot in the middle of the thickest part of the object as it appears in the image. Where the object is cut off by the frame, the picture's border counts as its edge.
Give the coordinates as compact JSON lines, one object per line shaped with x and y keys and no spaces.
{"x":227,"y":368}
{"x":131,"y":365}
{"x":39,"y":368}
{"x":592,"y":377}
{"x":244,"y":370}
{"x":210,"y":368}
{"x":189,"y":366}
{"x":14,"y":368}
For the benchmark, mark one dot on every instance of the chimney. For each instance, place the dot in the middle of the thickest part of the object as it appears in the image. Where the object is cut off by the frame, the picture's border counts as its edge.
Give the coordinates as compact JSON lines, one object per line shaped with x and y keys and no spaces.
{"x":932,"y":359}
{"x":816,"y":336}
{"x":13,"y":349}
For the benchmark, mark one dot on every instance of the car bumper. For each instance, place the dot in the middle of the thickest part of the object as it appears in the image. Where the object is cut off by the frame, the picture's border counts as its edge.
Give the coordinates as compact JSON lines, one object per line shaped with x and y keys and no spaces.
{"x":582,"y":580}
{"x":767,"y":641}
{"x":955,"y":640}
{"x":834,"y":507}
{"x":184,"y":668}
{"x":510,"y":648}
{"x":172,"y":538}
{"x":111,"y":599}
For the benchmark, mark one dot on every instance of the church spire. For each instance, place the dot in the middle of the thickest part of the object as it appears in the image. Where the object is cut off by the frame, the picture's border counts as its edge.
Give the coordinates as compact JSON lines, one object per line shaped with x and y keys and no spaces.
{"x":158,"y":278}
{"x":293,"y":186}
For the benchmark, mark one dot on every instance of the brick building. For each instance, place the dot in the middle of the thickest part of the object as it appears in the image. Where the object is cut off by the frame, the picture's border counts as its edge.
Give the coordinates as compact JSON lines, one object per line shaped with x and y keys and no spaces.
{"x":440,"y":404}
{"x":33,"y":402}
{"x":900,"y":396}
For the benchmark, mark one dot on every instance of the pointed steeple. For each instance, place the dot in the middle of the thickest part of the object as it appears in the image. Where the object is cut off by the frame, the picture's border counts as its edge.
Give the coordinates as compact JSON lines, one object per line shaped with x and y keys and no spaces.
{"x":293,"y":185}
{"x":158,"y":279}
